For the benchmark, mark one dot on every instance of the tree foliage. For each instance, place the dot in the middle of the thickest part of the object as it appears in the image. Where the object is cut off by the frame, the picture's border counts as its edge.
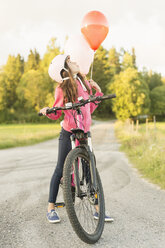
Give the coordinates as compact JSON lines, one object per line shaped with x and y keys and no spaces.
{"x":158,"y":100}
{"x":25,"y":86}
{"x":114,"y":61}
{"x":33,"y":90}
{"x":153,"y":79}
{"x":129,"y":60}
{"x":52,"y":51}
{"x":132,"y":94}
{"x":33,"y":61}
{"x":102,"y":75}
{"x":10,"y":78}
{"x":2,"y":92}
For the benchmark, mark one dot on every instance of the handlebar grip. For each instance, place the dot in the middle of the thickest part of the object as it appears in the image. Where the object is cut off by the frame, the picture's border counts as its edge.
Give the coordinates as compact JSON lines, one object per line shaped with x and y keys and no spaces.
{"x":108,"y":96}
{"x":49,"y":111}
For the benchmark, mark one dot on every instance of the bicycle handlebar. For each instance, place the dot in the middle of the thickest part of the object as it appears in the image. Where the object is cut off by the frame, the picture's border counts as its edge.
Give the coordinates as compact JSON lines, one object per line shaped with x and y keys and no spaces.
{"x":81,"y":103}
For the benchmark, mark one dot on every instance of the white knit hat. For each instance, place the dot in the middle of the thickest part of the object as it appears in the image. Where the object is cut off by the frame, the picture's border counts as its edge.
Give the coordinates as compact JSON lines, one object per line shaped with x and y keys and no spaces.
{"x":56,"y":66}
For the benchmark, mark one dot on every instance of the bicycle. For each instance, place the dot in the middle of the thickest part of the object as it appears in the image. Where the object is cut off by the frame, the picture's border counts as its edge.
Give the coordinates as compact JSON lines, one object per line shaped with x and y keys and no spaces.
{"x":82,"y":187}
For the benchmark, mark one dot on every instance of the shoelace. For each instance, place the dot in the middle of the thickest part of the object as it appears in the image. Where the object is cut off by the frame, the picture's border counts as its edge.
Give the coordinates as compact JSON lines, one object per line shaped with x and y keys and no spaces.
{"x":53,"y":213}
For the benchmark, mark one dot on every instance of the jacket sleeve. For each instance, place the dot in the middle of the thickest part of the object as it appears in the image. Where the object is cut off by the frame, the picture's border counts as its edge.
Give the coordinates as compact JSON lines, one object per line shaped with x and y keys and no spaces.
{"x":58,"y":103}
{"x":92,"y":105}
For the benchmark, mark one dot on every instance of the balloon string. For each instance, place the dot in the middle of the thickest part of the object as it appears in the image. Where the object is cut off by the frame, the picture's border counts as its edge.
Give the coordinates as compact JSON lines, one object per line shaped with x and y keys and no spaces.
{"x":92,"y":65}
{"x":91,"y":70}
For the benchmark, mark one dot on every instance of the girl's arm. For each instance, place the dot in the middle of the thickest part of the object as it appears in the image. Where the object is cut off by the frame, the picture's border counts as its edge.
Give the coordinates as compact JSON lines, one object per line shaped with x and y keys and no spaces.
{"x":95,"y":86}
{"x":58,"y":103}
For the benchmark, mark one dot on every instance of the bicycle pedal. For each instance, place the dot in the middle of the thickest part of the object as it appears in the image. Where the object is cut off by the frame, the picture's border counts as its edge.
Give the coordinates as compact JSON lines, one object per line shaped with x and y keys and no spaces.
{"x":59,"y":204}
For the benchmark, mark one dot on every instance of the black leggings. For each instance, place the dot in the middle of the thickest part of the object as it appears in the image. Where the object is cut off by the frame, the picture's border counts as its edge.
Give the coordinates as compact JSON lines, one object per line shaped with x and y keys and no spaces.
{"x":63,"y":150}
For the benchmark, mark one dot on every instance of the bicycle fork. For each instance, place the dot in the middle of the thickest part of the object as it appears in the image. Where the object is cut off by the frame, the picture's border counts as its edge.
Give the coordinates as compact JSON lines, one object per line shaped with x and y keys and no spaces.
{"x":92,"y":164}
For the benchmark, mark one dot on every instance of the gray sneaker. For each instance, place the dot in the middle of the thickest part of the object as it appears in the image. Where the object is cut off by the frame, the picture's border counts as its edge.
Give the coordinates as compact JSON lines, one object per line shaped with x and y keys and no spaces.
{"x":107,"y":218}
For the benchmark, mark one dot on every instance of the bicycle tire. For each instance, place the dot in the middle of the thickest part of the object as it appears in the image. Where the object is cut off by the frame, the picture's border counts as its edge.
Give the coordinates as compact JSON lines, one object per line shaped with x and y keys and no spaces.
{"x":89,"y":238}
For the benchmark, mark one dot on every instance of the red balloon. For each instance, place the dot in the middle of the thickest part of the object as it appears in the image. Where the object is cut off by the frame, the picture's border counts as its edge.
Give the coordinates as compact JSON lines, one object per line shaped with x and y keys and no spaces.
{"x":95,"y":28}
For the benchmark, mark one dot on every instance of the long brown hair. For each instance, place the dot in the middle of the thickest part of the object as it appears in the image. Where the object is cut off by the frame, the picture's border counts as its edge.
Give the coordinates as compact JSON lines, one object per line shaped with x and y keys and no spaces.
{"x":69,"y":86}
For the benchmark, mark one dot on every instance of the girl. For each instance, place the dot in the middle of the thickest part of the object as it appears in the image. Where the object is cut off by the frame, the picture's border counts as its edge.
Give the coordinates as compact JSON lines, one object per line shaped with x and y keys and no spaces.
{"x":71,"y":85}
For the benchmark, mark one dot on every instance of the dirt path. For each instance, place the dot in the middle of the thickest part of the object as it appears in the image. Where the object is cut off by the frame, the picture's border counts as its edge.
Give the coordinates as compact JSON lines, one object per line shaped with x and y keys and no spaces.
{"x":138,"y":207}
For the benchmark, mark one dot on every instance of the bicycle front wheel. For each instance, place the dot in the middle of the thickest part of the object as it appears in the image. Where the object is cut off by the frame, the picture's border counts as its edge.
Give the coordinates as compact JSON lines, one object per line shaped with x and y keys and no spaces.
{"x":81,"y":200}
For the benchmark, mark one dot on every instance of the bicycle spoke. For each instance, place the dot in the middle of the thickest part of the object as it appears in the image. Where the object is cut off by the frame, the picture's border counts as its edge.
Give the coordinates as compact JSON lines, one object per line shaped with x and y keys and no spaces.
{"x":89,"y":218}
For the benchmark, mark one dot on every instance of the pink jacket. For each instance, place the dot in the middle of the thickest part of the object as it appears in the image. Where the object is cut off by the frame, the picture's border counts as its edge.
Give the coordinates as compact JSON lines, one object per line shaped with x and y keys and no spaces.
{"x":86,"y":110}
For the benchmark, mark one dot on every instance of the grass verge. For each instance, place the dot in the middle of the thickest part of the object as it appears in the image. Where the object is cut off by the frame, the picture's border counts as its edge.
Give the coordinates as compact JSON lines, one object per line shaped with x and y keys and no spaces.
{"x":13,"y":135}
{"x":145,"y":149}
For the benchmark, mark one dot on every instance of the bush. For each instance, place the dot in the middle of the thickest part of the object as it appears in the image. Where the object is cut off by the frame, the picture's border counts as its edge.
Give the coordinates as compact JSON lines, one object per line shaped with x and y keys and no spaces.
{"x":7,"y":118}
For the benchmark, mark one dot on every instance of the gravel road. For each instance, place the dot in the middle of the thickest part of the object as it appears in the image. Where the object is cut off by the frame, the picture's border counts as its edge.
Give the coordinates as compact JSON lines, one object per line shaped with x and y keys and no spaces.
{"x":137,"y":206}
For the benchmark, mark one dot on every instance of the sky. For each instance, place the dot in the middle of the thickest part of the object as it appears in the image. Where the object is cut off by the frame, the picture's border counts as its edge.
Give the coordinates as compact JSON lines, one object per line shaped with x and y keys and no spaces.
{"x":30,"y":24}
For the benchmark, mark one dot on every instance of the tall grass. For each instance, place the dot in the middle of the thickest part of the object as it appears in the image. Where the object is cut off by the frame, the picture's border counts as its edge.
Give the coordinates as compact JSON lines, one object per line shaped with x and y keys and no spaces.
{"x":145,"y":149}
{"x":13,"y":135}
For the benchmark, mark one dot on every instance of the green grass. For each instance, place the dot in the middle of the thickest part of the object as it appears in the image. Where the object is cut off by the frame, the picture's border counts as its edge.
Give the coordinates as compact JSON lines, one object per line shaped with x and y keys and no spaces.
{"x":13,"y":135}
{"x":145,"y":149}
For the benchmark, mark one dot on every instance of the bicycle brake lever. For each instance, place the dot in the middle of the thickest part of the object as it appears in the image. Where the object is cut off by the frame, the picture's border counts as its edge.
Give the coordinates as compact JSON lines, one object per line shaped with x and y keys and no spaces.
{"x":54,"y":111}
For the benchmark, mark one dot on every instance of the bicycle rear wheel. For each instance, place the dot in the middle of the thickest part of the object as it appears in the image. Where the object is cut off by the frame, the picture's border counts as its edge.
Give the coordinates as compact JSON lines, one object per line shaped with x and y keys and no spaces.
{"x":81,"y":208}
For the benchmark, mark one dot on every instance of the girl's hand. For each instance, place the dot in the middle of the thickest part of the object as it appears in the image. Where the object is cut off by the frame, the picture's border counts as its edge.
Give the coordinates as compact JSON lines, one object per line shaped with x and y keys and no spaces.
{"x":94,"y":85}
{"x":43,"y":111}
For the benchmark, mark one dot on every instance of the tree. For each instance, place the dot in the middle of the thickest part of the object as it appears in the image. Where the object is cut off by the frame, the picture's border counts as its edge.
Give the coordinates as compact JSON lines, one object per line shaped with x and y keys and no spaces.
{"x":102,"y":75}
{"x":2,"y":91}
{"x":163,"y":80}
{"x":114,"y":63}
{"x":133,"y":57}
{"x":129,"y":60}
{"x":52,"y":51}
{"x":33,"y":61}
{"x":155,"y":80}
{"x":132,"y":94}
{"x":33,"y":91}
{"x":101,"y":69}
{"x":13,"y":71}
{"x":158,"y":100}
